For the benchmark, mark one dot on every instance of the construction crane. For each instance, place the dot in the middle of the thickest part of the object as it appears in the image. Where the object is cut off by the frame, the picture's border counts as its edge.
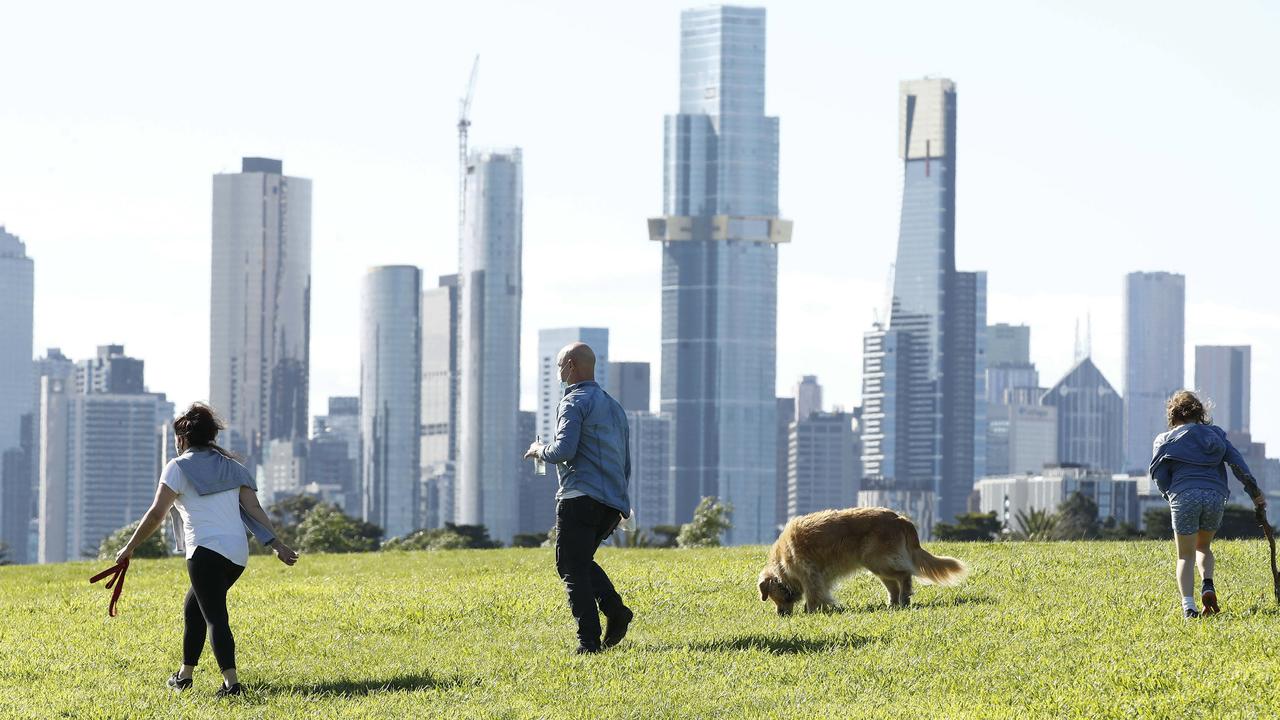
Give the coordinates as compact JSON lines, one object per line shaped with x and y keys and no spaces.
{"x":464,"y":122}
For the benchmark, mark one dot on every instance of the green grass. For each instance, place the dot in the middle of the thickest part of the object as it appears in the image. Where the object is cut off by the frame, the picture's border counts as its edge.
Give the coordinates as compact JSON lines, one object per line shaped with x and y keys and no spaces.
{"x":1038,"y":630}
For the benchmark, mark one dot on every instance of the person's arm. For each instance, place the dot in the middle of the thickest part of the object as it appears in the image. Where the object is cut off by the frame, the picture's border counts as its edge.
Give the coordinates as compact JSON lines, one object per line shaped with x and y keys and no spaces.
{"x":568,"y":430}
{"x":150,"y":522}
{"x":250,"y":506}
{"x":1163,"y":475}
{"x":1235,"y":461}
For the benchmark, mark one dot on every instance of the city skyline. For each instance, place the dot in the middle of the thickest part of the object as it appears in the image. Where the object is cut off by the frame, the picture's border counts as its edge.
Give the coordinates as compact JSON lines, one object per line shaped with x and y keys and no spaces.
{"x":130,"y":316}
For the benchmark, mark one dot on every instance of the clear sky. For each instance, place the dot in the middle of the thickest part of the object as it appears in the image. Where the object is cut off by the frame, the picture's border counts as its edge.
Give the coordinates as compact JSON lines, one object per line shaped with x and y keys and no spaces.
{"x":1095,"y":138}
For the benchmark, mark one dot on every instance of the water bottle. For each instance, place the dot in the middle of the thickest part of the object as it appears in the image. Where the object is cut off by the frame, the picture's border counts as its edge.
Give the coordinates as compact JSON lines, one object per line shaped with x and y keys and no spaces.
{"x":539,"y":465}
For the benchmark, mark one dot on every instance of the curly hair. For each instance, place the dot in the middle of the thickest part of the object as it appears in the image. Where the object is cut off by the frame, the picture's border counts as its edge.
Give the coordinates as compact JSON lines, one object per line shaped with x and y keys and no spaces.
{"x":1184,"y":407}
{"x":199,"y":427}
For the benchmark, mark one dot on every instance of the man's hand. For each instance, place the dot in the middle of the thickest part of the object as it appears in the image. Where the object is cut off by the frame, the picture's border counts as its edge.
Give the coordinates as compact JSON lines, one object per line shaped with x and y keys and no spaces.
{"x":286,"y":554}
{"x":534,"y":451}
{"x":1260,"y":501}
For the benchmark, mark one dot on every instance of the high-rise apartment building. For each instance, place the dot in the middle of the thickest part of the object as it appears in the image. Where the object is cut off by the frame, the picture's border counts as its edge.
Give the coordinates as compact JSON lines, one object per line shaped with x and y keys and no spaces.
{"x":333,"y":457}
{"x":550,"y":342}
{"x":260,"y":314}
{"x":490,"y":285}
{"x":1154,"y":332}
{"x":1224,"y":381}
{"x":390,"y":397}
{"x":720,"y":232}
{"x":537,"y":492}
{"x":100,"y":456}
{"x":628,"y":383}
{"x":924,"y":372}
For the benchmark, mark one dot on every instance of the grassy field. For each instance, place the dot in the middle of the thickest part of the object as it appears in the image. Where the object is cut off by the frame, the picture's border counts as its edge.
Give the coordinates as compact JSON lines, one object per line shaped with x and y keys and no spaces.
{"x":1038,"y":630}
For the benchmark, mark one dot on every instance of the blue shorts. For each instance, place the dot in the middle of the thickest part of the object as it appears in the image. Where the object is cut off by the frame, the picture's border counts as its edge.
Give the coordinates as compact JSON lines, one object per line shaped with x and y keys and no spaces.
{"x":1197,"y":509}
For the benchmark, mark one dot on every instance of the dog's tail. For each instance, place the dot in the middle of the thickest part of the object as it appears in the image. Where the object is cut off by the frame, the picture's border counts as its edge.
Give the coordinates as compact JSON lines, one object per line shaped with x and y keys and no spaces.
{"x":929,"y":567}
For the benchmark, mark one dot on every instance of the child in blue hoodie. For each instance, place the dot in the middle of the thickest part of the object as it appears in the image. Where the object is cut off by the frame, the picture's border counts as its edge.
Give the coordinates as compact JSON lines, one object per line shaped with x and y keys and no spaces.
{"x":1189,"y":465}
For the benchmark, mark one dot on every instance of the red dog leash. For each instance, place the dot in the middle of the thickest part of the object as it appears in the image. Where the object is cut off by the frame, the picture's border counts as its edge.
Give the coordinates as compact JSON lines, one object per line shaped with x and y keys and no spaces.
{"x":116,"y":573}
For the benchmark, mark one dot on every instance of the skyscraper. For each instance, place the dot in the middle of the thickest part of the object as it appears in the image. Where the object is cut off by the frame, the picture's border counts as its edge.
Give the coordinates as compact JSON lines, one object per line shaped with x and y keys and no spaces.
{"x":260,"y":313}
{"x":1154,"y":330}
{"x":1090,"y":419}
{"x":808,"y":397}
{"x":629,"y":385}
{"x":720,"y":232}
{"x":1224,"y":380}
{"x":390,"y":396}
{"x":17,"y":293}
{"x":537,"y":492}
{"x":924,"y":374}
{"x":550,"y":341}
{"x":489,"y":343}
{"x":439,"y":401}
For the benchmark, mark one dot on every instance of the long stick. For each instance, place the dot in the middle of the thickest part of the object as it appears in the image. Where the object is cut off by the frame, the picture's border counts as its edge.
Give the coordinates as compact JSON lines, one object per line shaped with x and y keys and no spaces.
{"x":1270,"y":532}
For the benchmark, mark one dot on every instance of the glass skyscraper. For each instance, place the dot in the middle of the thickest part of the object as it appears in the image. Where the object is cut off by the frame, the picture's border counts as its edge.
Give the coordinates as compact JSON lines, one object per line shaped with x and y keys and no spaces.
{"x":1154,"y":344}
{"x":260,"y":311}
{"x":720,"y":232}
{"x":17,"y":406}
{"x":390,"y":397}
{"x":439,"y":401}
{"x":924,"y":373}
{"x":490,"y":288}
{"x":1090,"y":419}
{"x":1223,"y":379}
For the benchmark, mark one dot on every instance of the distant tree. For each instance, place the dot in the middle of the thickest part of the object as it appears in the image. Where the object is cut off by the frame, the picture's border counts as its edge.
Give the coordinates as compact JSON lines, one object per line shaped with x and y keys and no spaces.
{"x":664,"y":536}
{"x":434,"y":539}
{"x":1039,"y":525}
{"x":327,"y":529}
{"x":710,"y":521}
{"x":152,"y":547}
{"x":1077,"y":518}
{"x":1157,"y":523}
{"x":529,"y":540}
{"x":477,"y":536}
{"x":287,"y":514}
{"x":969,"y":527}
{"x":1239,"y":522}
{"x":4,"y":555}
{"x":1112,"y":530}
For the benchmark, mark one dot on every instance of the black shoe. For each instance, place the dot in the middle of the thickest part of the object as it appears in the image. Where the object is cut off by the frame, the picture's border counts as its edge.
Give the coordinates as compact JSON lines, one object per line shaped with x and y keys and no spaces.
{"x":587,"y":650}
{"x":616,"y":627}
{"x":229,"y":690}
{"x":1190,"y":613}
{"x":175,"y":682}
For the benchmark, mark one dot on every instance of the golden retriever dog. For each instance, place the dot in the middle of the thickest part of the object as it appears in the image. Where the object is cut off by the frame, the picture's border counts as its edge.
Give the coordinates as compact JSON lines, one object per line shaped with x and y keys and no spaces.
{"x":816,"y":550}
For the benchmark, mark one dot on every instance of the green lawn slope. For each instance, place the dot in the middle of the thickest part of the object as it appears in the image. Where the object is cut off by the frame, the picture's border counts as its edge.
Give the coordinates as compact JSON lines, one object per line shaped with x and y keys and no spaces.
{"x":1038,"y":630}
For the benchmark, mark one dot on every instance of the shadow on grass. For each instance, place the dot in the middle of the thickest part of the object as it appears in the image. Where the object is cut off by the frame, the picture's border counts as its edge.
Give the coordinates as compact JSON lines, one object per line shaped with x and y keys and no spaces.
{"x":780,"y":644}
{"x":411,"y":682}
{"x":942,"y":601}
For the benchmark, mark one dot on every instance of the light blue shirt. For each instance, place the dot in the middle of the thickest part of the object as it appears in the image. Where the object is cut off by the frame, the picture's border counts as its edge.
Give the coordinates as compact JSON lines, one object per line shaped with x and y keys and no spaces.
{"x":591,"y":447}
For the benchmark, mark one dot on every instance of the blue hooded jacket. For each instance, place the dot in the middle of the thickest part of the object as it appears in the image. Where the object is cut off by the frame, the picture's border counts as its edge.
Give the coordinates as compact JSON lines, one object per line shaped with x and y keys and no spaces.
{"x":1196,"y":456}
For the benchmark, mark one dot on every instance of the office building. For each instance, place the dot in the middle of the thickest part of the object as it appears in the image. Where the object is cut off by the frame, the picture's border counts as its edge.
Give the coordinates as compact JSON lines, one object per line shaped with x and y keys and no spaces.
{"x":720,"y":230}
{"x":17,"y":303}
{"x":808,"y":395}
{"x":1090,"y":419}
{"x":1224,"y":382}
{"x":651,"y":489}
{"x":1116,"y":496}
{"x":629,"y":385}
{"x":390,"y":397}
{"x":822,"y":470}
{"x":260,"y":319}
{"x":1154,"y":332}
{"x":439,"y":401}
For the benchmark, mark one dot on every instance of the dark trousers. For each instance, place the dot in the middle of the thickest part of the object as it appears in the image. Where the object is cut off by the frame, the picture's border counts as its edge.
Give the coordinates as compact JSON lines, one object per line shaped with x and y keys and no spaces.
{"x":581,"y":525}
{"x":205,"y":611}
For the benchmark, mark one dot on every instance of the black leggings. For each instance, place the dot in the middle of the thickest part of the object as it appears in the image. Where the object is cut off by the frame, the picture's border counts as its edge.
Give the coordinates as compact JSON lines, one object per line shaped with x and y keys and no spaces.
{"x":212,"y":575}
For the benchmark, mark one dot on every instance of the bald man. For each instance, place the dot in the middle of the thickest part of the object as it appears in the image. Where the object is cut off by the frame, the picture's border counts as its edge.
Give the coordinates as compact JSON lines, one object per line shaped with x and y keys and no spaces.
{"x":590,"y":450}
